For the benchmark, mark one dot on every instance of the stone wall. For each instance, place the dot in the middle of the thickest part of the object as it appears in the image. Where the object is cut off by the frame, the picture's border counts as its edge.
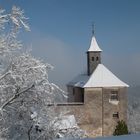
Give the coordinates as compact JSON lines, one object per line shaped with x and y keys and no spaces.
{"x":89,"y":113}
{"x":95,"y":114}
{"x":93,"y":104}
{"x":109,"y":123}
{"x":70,"y":93}
{"x":75,"y":94}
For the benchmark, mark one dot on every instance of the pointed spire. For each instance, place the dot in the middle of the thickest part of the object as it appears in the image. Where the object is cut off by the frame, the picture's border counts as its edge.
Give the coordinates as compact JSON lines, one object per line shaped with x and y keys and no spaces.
{"x":94,"y":45}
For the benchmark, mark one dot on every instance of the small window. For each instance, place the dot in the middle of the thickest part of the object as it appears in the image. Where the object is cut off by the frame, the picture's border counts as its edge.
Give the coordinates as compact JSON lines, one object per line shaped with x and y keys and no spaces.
{"x":114,"y":95}
{"x":97,"y":58}
{"x":92,"y":58}
{"x":115,"y":115}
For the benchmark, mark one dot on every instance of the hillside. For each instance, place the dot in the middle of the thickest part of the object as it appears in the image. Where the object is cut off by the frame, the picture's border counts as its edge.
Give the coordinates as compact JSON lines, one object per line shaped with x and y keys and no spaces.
{"x":134,"y":109}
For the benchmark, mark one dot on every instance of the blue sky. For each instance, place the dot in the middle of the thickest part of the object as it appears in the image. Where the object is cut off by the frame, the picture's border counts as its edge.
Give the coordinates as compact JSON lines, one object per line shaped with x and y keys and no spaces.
{"x":61,"y":33}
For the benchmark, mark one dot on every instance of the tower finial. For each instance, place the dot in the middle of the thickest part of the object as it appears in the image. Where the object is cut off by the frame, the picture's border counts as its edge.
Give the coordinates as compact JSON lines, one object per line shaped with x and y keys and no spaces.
{"x":93,"y":29}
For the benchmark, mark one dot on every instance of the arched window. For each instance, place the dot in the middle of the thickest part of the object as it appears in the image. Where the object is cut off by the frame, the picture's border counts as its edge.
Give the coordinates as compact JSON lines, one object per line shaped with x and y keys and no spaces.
{"x":97,"y":58}
{"x":92,"y":58}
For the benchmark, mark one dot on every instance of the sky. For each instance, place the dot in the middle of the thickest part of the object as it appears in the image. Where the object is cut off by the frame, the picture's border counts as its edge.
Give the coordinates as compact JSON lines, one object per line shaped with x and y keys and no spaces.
{"x":61,"y":33}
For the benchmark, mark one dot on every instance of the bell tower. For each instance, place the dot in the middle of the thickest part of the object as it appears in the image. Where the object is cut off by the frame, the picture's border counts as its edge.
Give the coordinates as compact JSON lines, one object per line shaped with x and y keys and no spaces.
{"x":93,"y":55}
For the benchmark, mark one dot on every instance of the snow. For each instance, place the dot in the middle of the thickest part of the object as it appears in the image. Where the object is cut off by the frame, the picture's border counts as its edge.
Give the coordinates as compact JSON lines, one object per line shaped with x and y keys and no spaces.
{"x":113,"y":102}
{"x":94,"y":46}
{"x":66,"y":122}
{"x":79,"y":81}
{"x":25,"y":90}
{"x":33,"y":115}
{"x":102,"y":77}
{"x":124,"y":137}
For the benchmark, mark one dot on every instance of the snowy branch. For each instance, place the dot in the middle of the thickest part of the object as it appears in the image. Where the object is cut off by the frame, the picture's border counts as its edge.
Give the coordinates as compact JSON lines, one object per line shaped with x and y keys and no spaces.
{"x":17,"y":94}
{"x":25,"y":113}
{"x":5,"y":75}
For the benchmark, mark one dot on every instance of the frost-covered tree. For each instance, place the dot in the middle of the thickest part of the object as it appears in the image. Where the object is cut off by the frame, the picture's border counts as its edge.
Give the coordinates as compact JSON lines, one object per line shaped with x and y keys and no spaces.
{"x":25,"y":91}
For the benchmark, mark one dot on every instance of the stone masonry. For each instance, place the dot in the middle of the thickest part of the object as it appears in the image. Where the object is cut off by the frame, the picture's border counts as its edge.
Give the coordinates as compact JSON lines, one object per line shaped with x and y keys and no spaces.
{"x":95,"y":114}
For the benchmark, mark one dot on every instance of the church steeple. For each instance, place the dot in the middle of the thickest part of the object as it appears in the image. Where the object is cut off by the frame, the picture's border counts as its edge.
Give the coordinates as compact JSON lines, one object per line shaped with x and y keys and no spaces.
{"x":93,"y":54}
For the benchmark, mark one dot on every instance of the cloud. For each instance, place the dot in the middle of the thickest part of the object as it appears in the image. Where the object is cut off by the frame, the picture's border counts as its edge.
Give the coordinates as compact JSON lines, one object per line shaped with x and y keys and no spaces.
{"x":66,"y":61}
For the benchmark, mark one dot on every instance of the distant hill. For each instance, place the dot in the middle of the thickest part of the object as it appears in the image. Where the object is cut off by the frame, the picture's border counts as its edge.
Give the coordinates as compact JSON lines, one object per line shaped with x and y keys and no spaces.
{"x":134,"y":91}
{"x":134,"y":109}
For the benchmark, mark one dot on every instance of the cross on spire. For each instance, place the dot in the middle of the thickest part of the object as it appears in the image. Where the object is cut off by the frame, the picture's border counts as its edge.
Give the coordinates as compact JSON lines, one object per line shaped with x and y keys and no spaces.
{"x":93,"y":29}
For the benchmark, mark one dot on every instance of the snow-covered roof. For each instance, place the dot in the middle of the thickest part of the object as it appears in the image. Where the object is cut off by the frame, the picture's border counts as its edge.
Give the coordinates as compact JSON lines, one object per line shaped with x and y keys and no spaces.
{"x":66,"y":122}
{"x":102,"y":77}
{"x":94,"y":46}
{"x":79,"y":81}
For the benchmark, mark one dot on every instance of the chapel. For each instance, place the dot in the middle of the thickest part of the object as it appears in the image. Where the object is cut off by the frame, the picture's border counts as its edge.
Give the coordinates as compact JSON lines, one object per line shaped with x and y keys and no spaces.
{"x":101,"y":96}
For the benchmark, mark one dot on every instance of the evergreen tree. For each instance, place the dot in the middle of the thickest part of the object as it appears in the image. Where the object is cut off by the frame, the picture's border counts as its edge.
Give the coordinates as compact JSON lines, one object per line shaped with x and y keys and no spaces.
{"x":121,"y":128}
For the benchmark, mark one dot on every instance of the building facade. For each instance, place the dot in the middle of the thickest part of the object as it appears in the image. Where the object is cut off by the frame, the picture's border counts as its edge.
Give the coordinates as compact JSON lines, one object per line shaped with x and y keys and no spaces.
{"x":98,"y":99}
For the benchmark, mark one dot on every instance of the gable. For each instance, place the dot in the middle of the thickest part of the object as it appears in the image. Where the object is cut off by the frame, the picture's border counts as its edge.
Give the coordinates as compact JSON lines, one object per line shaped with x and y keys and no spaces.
{"x":102,"y":77}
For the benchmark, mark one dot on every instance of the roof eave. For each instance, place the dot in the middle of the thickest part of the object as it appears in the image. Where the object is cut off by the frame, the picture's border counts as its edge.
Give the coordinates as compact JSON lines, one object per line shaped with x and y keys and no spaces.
{"x":106,"y":86}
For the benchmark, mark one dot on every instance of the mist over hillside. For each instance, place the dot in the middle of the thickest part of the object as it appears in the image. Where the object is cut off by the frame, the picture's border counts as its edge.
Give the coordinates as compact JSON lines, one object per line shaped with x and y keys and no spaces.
{"x":134,"y":109}
{"x":134,"y":91}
